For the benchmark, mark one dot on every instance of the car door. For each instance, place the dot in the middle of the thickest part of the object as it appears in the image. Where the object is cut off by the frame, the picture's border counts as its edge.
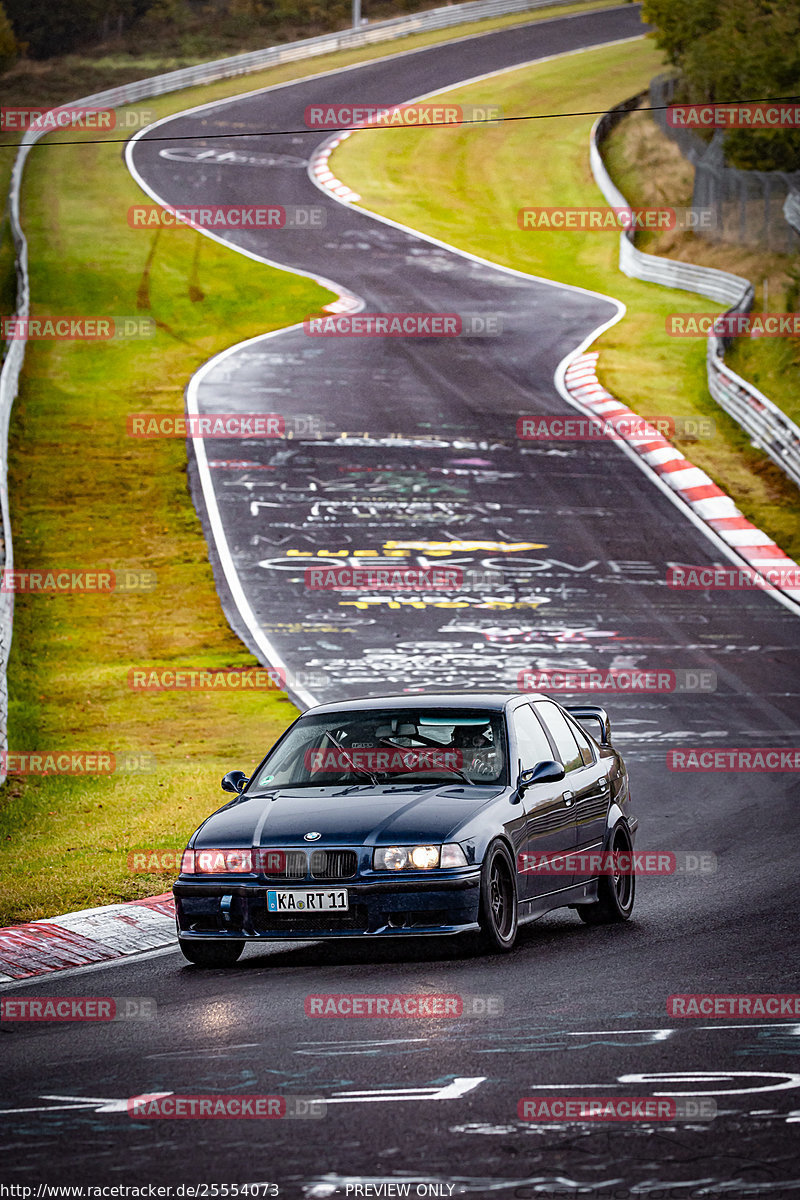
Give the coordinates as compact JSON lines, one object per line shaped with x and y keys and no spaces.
{"x":586,"y":781}
{"x":549,"y":820}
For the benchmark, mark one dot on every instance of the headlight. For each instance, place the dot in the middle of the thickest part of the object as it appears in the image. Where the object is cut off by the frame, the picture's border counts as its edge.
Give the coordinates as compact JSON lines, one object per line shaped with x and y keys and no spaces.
{"x":452,"y":856}
{"x":394,"y":858}
{"x":399,"y":858}
{"x":217,"y":862}
{"x":418,"y":858}
{"x":425,"y":857}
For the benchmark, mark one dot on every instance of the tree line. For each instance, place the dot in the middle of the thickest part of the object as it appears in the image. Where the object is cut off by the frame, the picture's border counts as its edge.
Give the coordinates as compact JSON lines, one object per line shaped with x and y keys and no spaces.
{"x":729,"y":50}
{"x":724,"y":50}
{"x":44,"y":29}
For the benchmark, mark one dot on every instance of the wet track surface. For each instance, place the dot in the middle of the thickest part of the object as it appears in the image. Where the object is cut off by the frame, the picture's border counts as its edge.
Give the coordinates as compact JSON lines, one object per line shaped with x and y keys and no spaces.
{"x":421,"y":459}
{"x":584,"y":1010}
{"x":578,"y":541}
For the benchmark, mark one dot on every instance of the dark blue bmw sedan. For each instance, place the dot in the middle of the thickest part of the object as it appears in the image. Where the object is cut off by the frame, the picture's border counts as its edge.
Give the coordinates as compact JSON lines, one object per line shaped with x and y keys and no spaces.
{"x":397,"y":816}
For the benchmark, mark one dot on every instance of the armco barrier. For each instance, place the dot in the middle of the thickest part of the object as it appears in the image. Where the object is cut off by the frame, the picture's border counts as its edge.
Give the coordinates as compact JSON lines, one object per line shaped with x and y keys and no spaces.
{"x":769,"y":428}
{"x":158,"y":85}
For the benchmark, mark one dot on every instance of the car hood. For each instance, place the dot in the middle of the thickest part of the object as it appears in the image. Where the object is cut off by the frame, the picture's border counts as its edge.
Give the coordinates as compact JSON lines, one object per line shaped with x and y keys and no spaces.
{"x":346,"y":817}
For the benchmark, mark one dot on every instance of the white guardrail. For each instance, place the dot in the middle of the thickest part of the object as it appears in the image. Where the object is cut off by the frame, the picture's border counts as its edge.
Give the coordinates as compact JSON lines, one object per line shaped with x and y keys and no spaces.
{"x":769,"y":428}
{"x":158,"y":85}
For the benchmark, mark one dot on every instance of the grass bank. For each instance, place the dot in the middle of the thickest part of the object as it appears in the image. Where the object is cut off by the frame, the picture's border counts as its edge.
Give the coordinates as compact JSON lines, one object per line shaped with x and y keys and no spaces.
{"x":87,"y":496}
{"x":650,"y":169}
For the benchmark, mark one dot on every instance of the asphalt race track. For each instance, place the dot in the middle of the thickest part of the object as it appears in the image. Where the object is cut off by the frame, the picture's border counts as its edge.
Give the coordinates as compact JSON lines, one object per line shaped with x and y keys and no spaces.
{"x":579,"y":540}
{"x":431,"y":454}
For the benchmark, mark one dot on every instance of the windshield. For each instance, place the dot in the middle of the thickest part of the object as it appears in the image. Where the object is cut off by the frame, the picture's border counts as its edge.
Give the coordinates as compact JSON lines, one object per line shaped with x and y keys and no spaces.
{"x":385,"y":746}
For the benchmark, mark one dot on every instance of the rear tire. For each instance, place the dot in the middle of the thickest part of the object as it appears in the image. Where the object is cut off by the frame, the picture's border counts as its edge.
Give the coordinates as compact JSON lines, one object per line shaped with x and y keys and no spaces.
{"x":615,"y":893}
{"x":498,"y":902}
{"x":211,"y":954}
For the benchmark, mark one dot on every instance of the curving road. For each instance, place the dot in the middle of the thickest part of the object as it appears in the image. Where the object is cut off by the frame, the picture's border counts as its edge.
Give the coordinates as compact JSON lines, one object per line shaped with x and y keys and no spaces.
{"x":581,"y":539}
{"x":430,"y":454}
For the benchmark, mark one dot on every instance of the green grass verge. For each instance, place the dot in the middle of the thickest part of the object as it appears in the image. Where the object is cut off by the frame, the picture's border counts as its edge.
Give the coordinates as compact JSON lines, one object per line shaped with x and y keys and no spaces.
{"x":85,"y":495}
{"x":466,"y":185}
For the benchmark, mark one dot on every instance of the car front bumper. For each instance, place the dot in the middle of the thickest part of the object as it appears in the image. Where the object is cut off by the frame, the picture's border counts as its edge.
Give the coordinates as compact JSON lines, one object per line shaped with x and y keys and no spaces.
{"x":377,"y":908}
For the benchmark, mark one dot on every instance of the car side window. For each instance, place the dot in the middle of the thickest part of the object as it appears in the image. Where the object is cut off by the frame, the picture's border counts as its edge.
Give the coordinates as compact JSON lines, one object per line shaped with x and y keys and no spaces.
{"x":562,"y":734}
{"x":584,"y":745}
{"x":531,"y":738}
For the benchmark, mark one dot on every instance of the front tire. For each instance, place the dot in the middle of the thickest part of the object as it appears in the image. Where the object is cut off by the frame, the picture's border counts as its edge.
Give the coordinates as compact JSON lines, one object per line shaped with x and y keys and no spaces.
{"x":211,"y":954}
{"x":615,"y":893}
{"x":498,"y":902}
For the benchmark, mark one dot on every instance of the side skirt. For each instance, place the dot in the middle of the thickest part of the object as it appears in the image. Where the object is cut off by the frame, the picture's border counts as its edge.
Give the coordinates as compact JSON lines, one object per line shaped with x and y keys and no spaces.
{"x":569,"y":897}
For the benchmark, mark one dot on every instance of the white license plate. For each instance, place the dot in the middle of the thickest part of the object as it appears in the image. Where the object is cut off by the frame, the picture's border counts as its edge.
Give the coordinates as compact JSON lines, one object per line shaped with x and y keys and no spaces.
{"x":307,"y":901}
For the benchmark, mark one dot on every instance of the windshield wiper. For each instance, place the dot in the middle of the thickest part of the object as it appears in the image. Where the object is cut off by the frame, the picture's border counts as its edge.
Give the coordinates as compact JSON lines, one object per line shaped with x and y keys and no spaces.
{"x":358,"y":770}
{"x":446,"y":767}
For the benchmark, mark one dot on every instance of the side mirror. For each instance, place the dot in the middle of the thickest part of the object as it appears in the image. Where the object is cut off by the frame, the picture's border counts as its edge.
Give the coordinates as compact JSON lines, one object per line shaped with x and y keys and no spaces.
{"x":234,"y":781}
{"x":548,"y":771}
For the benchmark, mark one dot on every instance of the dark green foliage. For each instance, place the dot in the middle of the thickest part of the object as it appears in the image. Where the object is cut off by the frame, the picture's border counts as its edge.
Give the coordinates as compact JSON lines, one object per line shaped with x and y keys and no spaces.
{"x":9,"y":48}
{"x":736,"y":50}
{"x":47,"y":28}
{"x":183,"y":26}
